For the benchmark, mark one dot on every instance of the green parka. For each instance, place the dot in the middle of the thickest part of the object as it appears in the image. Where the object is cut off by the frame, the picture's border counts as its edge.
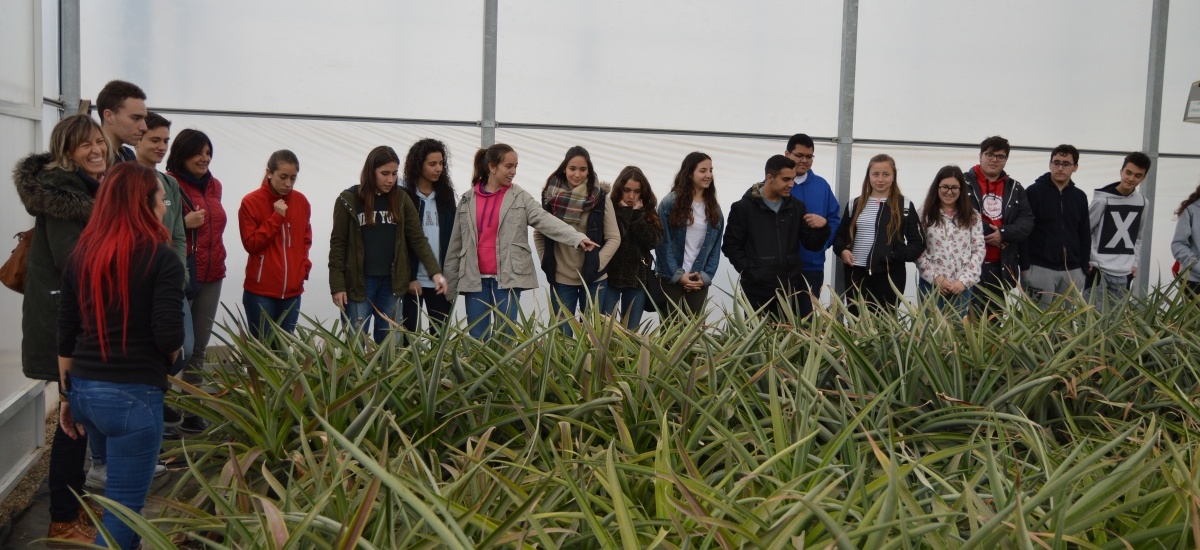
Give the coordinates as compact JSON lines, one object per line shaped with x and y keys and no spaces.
{"x":346,"y":249}
{"x":61,"y":204}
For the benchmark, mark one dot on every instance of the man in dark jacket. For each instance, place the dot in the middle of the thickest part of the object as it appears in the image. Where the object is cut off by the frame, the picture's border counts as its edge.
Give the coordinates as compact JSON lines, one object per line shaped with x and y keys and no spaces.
{"x":1007,"y":221}
{"x":763,"y":237}
{"x":122,"y":109}
{"x":1061,"y":241}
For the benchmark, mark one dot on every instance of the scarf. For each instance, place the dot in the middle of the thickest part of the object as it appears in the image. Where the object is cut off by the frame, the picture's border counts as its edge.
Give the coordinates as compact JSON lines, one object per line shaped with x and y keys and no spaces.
{"x":569,"y":204}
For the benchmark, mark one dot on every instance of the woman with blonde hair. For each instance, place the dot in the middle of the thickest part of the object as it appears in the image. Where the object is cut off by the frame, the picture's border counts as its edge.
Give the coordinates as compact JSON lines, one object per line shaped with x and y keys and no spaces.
{"x":880,"y":231}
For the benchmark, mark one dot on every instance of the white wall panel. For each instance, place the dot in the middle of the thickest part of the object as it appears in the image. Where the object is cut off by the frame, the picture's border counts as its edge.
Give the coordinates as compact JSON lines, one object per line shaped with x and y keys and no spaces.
{"x":361,"y":58}
{"x":18,"y":40}
{"x":756,"y":67}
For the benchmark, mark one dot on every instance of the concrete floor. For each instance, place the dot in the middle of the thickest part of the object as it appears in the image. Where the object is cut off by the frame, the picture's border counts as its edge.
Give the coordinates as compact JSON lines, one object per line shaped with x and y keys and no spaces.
{"x":33,"y":523}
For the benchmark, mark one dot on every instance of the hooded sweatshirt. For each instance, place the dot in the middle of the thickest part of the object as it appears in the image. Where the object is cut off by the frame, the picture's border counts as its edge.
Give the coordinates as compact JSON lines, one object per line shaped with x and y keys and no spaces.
{"x":1061,"y":239}
{"x":1116,"y":222}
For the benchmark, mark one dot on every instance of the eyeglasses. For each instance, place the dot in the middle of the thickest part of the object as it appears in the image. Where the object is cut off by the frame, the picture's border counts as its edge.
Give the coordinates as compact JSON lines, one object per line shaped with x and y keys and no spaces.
{"x":1061,"y":164}
{"x":996,"y":156}
{"x":807,"y":158}
{"x":948,"y":189}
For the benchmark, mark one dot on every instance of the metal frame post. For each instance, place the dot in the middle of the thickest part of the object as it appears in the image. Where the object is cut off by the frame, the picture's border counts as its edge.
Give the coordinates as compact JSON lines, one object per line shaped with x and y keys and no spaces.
{"x":845,"y":135}
{"x":1150,"y":131}
{"x":69,"y":81}
{"x":487,"y":134}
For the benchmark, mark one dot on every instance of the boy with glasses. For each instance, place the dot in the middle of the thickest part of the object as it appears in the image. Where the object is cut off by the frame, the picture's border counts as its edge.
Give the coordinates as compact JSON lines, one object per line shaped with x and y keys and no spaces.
{"x":819,"y":200}
{"x":1007,"y":222}
{"x":1061,"y":240}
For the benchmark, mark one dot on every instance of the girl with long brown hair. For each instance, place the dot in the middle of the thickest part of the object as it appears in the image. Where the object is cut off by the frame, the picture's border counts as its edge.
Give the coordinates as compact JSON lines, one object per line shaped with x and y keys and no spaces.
{"x":629,"y":271}
{"x":691,"y":247}
{"x":1185,"y":245}
{"x":954,"y":246}
{"x":374,"y":226}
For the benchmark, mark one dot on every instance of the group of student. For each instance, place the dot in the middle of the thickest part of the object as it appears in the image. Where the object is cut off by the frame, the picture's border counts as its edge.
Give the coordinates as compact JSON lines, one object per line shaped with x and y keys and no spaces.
{"x":126,"y":266}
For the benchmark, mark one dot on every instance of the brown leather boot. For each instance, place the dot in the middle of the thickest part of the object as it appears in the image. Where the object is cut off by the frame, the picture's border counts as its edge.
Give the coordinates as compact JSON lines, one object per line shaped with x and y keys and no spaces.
{"x":70,"y":533}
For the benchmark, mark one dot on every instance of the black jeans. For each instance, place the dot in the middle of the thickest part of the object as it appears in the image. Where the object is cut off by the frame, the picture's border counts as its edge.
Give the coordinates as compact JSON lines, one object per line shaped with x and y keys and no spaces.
{"x":804,"y":300}
{"x":995,"y":281}
{"x":881,"y":288}
{"x":66,"y":475}
{"x":436,"y":305}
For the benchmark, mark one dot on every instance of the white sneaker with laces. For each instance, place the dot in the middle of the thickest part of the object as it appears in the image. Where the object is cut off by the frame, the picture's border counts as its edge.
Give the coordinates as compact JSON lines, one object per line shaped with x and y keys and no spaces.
{"x":97,"y":476}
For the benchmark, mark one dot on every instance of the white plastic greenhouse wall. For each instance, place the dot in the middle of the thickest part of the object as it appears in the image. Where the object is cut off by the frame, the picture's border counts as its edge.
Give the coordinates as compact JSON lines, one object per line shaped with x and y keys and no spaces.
{"x":635,"y":82}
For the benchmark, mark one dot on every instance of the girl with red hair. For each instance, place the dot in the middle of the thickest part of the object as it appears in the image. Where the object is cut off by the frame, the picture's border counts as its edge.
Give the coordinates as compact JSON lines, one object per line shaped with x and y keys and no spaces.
{"x":120,"y":329}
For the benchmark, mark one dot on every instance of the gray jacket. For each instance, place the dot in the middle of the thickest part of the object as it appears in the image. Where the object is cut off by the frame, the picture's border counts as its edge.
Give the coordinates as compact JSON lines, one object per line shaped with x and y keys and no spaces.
{"x":514,"y":260}
{"x":1185,"y":245}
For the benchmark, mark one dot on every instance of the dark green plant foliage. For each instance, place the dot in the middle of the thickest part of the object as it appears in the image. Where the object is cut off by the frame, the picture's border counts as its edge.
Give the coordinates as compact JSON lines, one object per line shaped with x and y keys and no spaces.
{"x":1060,"y":429}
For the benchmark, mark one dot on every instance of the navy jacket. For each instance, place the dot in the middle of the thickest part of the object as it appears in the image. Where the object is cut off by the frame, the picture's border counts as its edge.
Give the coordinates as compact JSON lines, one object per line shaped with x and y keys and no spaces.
{"x":1062,"y":231}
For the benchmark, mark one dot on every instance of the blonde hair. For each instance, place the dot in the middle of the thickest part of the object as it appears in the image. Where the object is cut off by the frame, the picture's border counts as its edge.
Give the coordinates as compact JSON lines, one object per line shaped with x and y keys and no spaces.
{"x":68,"y":135}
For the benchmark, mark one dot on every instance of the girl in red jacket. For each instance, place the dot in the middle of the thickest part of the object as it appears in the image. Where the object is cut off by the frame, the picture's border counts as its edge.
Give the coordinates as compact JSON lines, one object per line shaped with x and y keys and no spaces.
{"x":274,"y":222}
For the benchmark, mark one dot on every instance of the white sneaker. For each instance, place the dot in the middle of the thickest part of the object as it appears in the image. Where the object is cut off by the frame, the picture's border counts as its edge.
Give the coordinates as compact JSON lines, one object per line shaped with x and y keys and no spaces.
{"x":97,"y":476}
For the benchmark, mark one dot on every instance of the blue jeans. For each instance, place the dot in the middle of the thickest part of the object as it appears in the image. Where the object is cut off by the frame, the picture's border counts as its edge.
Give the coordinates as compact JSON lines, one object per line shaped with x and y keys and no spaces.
{"x":814,"y":281}
{"x":633,"y":304}
{"x":381,"y":305}
{"x":125,"y":419}
{"x":284,"y":311}
{"x":958,"y":304}
{"x":505,"y":301}
{"x":568,"y":299}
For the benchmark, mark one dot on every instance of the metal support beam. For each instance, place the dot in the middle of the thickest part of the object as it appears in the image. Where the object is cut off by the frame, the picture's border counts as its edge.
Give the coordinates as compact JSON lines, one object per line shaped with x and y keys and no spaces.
{"x":845,"y":133}
{"x":69,"y":82}
{"x":487,"y":134}
{"x":1150,"y":130}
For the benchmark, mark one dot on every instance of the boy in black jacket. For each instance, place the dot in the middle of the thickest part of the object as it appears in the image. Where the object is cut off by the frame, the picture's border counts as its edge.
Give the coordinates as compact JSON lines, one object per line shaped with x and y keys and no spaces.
{"x":763,"y":237}
{"x":1061,"y":241}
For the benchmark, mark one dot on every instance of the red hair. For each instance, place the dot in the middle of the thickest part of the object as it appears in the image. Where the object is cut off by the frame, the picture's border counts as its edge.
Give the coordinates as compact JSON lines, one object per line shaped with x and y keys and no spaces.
{"x":122,"y":222}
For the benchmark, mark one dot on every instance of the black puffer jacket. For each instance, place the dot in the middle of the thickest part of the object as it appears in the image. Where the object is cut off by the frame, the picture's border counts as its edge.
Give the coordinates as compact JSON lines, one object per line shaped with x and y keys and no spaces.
{"x":630,"y":264}
{"x":764,"y":245}
{"x":61,"y":204}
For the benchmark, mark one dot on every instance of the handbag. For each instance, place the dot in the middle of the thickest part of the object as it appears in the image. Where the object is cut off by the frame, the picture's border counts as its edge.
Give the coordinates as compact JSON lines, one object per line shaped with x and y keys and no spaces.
{"x":12,"y":273}
{"x":193,"y":283}
{"x":656,"y":299}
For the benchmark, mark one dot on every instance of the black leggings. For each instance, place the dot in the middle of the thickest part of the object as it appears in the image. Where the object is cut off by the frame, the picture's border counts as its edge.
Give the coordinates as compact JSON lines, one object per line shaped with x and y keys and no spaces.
{"x":875,"y":287}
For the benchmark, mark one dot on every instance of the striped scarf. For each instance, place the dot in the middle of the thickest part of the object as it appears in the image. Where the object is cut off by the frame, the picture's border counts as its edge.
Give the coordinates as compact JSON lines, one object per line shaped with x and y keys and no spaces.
{"x":569,"y":204}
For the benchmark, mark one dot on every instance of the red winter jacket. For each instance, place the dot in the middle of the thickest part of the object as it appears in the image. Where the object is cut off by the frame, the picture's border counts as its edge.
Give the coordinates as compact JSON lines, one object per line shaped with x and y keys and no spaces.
{"x":278,"y":245}
{"x":208,"y":245}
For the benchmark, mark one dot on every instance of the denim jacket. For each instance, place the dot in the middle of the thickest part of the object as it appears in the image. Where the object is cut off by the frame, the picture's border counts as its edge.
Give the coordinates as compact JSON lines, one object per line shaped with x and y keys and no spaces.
{"x":669,"y":254}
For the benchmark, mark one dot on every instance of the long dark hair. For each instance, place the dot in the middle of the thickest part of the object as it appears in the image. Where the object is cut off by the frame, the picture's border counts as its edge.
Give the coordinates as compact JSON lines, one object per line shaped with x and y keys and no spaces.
{"x":414,"y":163}
{"x":560,"y":173}
{"x":1188,"y":201}
{"x":122,"y":222}
{"x":931,"y":213}
{"x":649,"y":201}
{"x":367,"y":189}
{"x":189,"y":143}
{"x":484,"y":157}
{"x":896,"y":222}
{"x":684,"y":189}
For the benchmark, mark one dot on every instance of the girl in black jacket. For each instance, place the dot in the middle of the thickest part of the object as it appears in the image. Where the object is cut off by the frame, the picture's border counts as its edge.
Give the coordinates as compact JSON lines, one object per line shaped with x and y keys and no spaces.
{"x":880,"y":231}
{"x":629,"y":271}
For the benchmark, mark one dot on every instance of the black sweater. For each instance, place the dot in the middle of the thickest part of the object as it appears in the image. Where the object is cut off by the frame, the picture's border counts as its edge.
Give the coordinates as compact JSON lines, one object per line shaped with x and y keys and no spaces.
{"x":153,"y":331}
{"x":1062,"y":231}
